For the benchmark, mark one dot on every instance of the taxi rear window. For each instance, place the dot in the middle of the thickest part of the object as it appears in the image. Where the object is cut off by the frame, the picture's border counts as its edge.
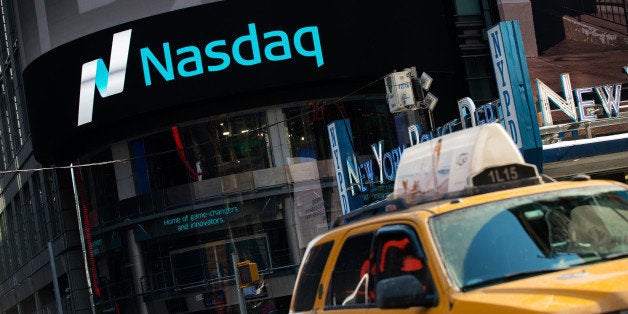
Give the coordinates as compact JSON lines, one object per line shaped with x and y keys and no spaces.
{"x":310,"y":276}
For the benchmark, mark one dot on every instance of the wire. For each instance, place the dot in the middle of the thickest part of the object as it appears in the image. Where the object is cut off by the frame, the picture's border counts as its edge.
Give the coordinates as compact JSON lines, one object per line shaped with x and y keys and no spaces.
{"x":67,"y":167}
{"x":334,"y":103}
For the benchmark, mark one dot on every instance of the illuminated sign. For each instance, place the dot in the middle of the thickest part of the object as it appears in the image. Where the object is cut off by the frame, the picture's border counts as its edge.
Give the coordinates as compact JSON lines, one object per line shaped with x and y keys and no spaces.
{"x":189,"y":60}
{"x":486,"y":113}
{"x":219,"y":58}
{"x":339,"y":133}
{"x":577,"y":108}
{"x":200,"y":219}
{"x":515,"y":91}
{"x":504,"y":85}
{"x":109,"y":82}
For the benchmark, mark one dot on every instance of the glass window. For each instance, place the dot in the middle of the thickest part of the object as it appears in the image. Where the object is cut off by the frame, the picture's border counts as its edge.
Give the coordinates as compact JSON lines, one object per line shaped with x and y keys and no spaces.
{"x":24,"y":224}
{"x":31,"y":212}
{"x":397,"y":253}
{"x":514,"y":238}
{"x":4,"y":248}
{"x":14,"y":231}
{"x":7,"y":126}
{"x":39,"y":207}
{"x":310,"y":275}
{"x":301,"y":129}
{"x":201,"y":151}
{"x":156,"y":164}
{"x":54,"y":207}
{"x":241,"y":143}
{"x":370,"y":120}
{"x":349,"y":280}
{"x":14,"y":128}
{"x":213,"y":261}
{"x":102,"y":193}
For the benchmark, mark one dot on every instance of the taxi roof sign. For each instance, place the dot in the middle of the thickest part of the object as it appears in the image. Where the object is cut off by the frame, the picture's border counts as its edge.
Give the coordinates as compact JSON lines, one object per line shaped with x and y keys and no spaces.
{"x":460,"y":163}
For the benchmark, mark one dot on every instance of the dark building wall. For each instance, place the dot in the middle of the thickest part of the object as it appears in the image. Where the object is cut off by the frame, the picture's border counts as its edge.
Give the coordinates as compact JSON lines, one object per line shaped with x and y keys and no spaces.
{"x":276,"y":189}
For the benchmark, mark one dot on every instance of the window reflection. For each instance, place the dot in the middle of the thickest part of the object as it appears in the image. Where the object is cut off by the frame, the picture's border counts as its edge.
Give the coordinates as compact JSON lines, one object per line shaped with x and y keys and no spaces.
{"x":214,"y":260}
{"x":166,"y":162}
{"x":370,"y":120}
{"x":497,"y":242}
{"x":195,"y":167}
{"x":204,"y":150}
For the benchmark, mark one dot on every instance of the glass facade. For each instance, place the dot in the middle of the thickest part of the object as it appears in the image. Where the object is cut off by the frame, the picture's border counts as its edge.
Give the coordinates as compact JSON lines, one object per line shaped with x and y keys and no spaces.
{"x":257,"y":183}
{"x":32,"y":217}
{"x":164,"y":212}
{"x":13,"y":126}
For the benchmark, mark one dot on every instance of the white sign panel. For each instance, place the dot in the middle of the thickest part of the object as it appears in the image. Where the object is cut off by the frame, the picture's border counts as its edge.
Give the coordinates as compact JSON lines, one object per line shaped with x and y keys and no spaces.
{"x":504,"y":86}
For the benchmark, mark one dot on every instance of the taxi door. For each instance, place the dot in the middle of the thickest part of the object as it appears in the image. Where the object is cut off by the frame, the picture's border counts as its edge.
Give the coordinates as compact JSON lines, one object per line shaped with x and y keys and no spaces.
{"x":347,"y":283}
{"x":374,"y":261}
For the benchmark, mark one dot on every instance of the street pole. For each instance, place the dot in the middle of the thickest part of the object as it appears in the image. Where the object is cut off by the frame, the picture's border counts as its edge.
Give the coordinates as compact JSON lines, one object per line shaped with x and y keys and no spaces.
{"x":55,"y":282}
{"x":82,"y":237}
{"x":234,"y":258}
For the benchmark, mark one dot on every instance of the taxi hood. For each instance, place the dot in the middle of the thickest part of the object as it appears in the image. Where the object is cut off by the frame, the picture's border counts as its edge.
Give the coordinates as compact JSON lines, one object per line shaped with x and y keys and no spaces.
{"x":593,"y":288}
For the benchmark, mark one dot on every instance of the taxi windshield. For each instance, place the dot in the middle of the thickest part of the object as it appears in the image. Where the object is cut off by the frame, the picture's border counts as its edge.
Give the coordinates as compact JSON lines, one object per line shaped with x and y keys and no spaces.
{"x":528,"y":235}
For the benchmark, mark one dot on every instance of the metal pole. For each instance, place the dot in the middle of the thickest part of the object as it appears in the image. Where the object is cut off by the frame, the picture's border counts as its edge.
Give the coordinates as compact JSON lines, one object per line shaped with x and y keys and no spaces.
{"x":82,"y":236}
{"x":234,"y":258}
{"x":55,"y":282}
{"x":137,"y":271}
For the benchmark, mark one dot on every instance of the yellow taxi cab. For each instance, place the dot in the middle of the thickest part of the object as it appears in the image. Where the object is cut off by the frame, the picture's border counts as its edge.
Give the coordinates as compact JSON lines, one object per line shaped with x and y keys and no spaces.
{"x":471,"y":228}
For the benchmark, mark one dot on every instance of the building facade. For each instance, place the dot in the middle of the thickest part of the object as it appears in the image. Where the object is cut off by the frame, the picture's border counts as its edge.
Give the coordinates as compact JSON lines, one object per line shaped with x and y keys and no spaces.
{"x":149,"y":145}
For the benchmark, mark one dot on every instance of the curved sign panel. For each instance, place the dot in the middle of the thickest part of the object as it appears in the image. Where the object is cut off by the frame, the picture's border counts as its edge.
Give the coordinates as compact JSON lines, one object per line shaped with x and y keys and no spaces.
{"x":219,"y":58}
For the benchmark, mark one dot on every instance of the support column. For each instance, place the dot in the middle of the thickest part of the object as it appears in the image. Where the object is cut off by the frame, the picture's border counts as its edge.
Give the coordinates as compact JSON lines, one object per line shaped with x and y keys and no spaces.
{"x":291,"y":231}
{"x":137,"y":270}
{"x":521,"y":10}
{"x":281,"y":151}
{"x":55,"y":282}
{"x":278,"y":137}
{"x":123,"y":170}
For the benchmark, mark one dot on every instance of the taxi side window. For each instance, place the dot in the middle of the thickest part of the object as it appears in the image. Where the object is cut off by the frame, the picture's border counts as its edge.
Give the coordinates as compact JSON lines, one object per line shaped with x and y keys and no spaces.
{"x":397,"y":252}
{"x":348,"y":285}
{"x":310,"y":277}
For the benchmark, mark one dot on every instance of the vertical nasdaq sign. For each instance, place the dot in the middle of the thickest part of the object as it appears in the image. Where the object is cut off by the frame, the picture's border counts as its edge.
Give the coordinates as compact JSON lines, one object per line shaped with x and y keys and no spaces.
{"x":339,"y":138}
{"x":515,"y":90}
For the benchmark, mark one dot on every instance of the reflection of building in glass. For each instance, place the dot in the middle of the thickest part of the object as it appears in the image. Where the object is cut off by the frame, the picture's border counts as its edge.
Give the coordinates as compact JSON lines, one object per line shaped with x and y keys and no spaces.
{"x":238,"y":185}
{"x":200,"y":164}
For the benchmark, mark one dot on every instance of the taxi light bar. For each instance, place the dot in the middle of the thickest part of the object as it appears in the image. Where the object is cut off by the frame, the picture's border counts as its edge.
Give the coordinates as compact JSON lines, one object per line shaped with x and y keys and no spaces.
{"x":470,"y":161}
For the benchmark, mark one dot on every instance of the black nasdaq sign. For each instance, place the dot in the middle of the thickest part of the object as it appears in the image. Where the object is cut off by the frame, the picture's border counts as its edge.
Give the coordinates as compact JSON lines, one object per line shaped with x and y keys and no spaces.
{"x":218,"y":58}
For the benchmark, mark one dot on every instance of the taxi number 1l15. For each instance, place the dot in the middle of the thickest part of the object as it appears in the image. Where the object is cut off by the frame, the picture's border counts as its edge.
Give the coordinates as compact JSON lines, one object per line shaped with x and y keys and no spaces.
{"x":503,"y":174}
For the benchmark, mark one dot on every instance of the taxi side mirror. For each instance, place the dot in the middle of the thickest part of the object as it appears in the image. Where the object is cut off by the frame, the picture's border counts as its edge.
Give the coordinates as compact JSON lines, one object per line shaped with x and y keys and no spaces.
{"x":401,"y":292}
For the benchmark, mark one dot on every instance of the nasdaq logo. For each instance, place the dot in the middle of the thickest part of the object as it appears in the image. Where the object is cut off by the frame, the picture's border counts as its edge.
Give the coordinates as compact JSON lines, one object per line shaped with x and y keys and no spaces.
{"x":108,"y":81}
{"x":165,"y":63}
{"x":250,"y":49}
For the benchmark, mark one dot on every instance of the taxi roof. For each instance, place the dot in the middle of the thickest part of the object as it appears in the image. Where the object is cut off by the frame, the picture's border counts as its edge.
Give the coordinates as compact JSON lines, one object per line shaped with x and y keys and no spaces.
{"x":391,"y":209}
